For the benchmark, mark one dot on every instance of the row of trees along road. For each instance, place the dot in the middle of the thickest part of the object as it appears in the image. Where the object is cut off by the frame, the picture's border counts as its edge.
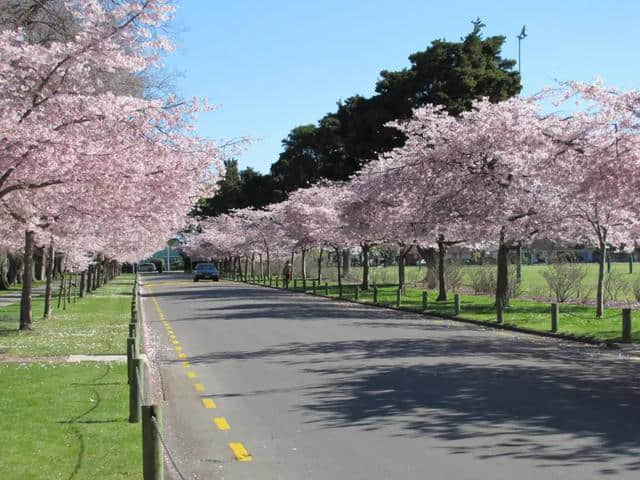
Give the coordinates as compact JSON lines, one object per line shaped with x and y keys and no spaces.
{"x":495,"y":176}
{"x":451,"y":74}
{"x":96,"y":160}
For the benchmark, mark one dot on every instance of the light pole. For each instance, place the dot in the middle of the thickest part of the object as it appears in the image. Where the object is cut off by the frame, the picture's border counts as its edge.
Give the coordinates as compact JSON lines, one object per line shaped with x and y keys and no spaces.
{"x":522,"y":36}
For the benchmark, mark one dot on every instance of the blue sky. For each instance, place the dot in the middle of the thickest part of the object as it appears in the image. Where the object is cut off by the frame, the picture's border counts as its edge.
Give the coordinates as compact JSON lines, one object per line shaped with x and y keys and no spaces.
{"x":272,"y":65}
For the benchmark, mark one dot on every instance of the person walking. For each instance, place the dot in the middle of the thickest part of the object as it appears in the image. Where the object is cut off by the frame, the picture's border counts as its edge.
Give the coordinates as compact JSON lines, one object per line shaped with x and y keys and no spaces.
{"x":287,"y":273}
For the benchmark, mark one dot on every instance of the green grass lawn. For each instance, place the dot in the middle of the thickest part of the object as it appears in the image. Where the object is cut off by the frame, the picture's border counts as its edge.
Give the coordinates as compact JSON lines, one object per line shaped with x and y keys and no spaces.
{"x":579,"y":320}
{"x":97,"y":324}
{"x":67,"y":421}
{"x":61,"y":420}
{"x":533,"y":282}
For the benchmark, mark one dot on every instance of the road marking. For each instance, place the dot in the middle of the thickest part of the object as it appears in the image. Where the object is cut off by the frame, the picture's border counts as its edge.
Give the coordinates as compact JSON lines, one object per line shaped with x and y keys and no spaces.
{"x":178,"y":348}
{"x":192,"y":374}
{"x":635,"y":359}
{"x":199,"y":387}
{"x":240,"y":452}
{"x":182,"y":355}
{"x":222,"y":423}
{"x":186,"y":364}
{"x":175,"y":342}
{"x":208,"y":403}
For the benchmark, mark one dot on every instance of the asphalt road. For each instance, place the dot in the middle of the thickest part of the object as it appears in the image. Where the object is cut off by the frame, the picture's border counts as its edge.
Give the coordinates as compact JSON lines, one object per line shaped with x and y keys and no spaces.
{"x":317,"y":389}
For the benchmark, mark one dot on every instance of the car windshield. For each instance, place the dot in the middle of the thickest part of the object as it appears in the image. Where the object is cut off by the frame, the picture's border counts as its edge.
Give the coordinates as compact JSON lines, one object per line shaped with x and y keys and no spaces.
{"x":205,"y":267}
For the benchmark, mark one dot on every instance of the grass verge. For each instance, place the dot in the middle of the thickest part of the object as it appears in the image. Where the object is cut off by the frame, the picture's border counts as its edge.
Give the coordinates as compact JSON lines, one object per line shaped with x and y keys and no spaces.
{"x":61,"y":420}
{"x":96,"y":324}
{"x":66,"y":421}
{"x":576,"y":320}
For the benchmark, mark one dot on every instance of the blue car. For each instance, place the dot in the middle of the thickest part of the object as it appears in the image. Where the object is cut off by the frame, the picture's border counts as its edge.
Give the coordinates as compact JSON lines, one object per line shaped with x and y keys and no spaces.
{"x":205,"y":271}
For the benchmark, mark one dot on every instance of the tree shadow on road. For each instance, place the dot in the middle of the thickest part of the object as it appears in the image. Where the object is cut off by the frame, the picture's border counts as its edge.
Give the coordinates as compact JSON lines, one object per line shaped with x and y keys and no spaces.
{"x":553,"y":416}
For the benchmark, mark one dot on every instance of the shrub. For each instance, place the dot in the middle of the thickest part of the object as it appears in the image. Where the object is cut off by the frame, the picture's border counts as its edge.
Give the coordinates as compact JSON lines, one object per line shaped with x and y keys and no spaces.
{"x":636,"y":288}
{"x":565,"y":278}
{"x":453,"y":276}
{"x":483,"y":281}
{"x":616,"y":286}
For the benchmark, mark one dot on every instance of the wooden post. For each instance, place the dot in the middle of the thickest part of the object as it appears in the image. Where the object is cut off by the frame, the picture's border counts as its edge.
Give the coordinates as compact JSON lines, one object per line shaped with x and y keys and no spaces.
{"x":295,"y":283}
{"x":424,"y":300}
{"x":277,"y":281}
{"x":626,"y":325}
{"x":631,"y":263}
{"x":555,"y":314}
{"x":456,"y":304}
{"x":326,"y":289}
{"x":398,"y":295}
{"x":131,"y":354}
{"x":375,"y":294}
{"x":135,"y":391}
{"x":313,"y":286}
{"x":152,"y":454}
{"x":357,"y":293}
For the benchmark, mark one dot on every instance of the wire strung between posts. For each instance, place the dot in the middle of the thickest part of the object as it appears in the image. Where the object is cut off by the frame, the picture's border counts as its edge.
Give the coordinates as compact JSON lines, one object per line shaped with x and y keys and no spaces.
{"x":589,"y":318}
{"x":157,"y":428}
{"x":166,"y":448}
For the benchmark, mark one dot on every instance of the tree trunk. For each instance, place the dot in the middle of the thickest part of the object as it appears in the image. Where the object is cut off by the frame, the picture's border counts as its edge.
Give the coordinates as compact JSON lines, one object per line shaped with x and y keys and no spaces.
{"x":27,"y":282}
{"x":38,"y":263}
{"x":293,"y":257}
{"x":346,"y":261}
{"x":83,"y":275}
{"x":303,"y":258}
{"x":519,"y":262}
{"x":49,"y":286}
{"x":502,"y":282}
{"x":319,"y":277}
{"x":338,"y":261}
{"x":442,"y":257}
{"x":69,"y":287}
{"x":261,"y":265}
{"x":61,"y":290}
{"x":253,"y":265}
{"x":4,"y":281}
{"x":268,"y":264}
{"x":89,"y":278}
{"x":601,"y":276}
{"x":365,"y":266}
{"x":15,"y":266}
{"x":401,"y":260}
{"x":57,"y":265}
{"x":246,"y":268}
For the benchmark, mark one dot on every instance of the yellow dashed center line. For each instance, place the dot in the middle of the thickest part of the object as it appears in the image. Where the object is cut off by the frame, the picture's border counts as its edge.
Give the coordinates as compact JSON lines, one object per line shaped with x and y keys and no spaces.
{"x":208,"y":403}
{"x":222,"y":423}
{"x":240,"y":452}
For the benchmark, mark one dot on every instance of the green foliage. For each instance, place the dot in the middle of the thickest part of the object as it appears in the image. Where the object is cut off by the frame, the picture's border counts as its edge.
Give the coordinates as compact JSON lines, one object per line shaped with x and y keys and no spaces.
{"x":451,"y":74}
{"x":239,"y":189}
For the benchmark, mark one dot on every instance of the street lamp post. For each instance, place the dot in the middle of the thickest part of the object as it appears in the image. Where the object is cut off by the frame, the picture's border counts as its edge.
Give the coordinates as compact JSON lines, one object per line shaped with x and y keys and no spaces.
{"x":522,"y":36}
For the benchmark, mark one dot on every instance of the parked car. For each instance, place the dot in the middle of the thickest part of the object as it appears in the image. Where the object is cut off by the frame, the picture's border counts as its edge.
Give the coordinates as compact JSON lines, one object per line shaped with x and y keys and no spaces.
{"x":205,"y":271}
{"x":146,"y":267}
